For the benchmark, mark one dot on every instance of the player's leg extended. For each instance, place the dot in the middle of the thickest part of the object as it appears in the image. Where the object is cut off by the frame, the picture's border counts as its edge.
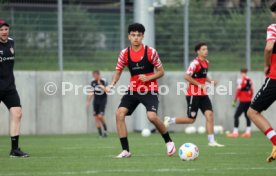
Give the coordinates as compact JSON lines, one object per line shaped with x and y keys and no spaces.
{"x":98,"y":124}
{"x":235,"y":132}
{"x":247,"y":132}
{"x":261,"y":122}
{"x":103,"y":124}
{"x":210,"y":129}
{"x":154,"y":119}
{"x":122,"y":132}
{"x":192,"y":108}
{"x":16,"y":116}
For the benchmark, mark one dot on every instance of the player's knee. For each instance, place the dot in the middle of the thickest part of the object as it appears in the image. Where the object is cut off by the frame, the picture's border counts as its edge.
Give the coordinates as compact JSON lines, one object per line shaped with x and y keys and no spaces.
{"x":209,"y":115}
{"x":152,"y":117}
{"x":120,"y":115}
{"x":17,"y":113}
{"x":251,"y":113}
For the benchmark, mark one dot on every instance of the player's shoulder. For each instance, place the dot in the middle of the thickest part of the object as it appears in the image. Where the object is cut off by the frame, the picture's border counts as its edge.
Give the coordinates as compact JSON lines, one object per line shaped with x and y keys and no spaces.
{"x":93,"y":81}
{"x":125,"y":50}
{"x":271,"y":27}
{"x":10,"y":40}
{"x":103,"y":79}
{"x":195,"y":62}
{"x":151,"y":50}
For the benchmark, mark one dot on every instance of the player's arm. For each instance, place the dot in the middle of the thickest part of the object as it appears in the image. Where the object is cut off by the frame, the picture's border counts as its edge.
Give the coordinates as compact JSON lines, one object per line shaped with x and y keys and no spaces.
{"x":115,"y":79}
{"x":89,"y":97}
{"x":158,"y":74}
{"x":211,"y":81}
{"x":103,"y":86}
{"x":267,"y":54}
{"x":191,"y":80}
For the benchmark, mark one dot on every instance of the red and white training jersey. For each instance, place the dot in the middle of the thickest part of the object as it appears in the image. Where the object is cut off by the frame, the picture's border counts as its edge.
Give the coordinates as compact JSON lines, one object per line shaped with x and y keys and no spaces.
{"x":195,"y":67}
{"x":244,"y":92}
{"x":271,"y":35}
{"x":137,"y":56}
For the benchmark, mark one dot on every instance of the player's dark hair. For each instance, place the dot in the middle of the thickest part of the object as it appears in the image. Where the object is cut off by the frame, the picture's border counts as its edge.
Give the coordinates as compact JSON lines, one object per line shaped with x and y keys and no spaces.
{"x":96,"y":72}
{"x":273,"y":7}
{"x":244,"y":70}
{"x":199,"y":45}
{"x":136,"y":27}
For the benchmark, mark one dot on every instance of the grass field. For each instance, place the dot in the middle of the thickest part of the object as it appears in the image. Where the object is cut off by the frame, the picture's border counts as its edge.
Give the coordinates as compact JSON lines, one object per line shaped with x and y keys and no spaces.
{"x":88,"y":155}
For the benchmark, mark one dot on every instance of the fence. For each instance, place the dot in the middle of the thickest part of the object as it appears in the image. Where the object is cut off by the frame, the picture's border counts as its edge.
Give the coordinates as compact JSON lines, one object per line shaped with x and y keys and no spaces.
{"x":91,"y":32}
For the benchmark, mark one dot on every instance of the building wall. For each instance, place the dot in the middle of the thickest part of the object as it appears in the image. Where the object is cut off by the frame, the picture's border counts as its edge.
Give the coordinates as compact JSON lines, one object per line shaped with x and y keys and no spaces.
{"x":66,"y":114}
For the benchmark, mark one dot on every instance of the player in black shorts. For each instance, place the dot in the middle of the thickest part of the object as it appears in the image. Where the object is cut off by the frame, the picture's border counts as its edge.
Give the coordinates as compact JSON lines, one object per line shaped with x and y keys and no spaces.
{"x":8,"y":92}
{"x":98,"y":86}
{"x":267,"y":94}
{"x":196,"y":95}
{"x":142,"y":61}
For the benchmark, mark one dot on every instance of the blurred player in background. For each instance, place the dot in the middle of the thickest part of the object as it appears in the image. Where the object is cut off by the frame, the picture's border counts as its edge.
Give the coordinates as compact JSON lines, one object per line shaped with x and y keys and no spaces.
{"x":98,"y":86}
{"x":267,"y":94}
{"x":8,"y":92}
{"x":141,"y":61}
{"x":196,"y":95}
{"x":244,"y":95}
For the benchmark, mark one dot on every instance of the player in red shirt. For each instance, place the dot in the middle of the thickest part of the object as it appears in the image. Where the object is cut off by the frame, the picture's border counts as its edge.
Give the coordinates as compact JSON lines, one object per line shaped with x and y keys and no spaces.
{"x":267,"y":94}
{"x":141,"y":61}
{"x":196,"y":94}
{"x":244,"y":95}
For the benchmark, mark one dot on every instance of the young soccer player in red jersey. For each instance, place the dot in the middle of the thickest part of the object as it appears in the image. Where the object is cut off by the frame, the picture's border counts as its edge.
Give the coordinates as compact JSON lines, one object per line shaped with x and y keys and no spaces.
{"x":244,"y":95}
{"x":196,"y":95}
{"x":141,"y":61}
{"x":267,"y":94}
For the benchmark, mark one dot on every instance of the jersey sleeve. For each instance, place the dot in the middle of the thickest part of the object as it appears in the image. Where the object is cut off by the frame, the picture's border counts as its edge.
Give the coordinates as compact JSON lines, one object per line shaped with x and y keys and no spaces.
{"x":192,"y":68}
{"x":154,"y":58}
{"x":121,"y":60}
{"x":238,"y":90}
{"x":271,"y":32}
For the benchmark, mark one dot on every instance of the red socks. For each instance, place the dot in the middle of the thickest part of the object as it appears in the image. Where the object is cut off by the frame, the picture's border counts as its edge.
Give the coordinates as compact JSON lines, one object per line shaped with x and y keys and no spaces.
{"x":271,"y":135}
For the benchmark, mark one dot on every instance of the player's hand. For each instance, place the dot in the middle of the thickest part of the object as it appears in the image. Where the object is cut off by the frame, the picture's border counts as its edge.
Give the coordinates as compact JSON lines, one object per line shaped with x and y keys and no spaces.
{"x":109,"y":87}
{"x":143,"y":78}
{"x":203,"y":87}
{"x":234,"y":103}
{"x":214,"y":82}
{"x":266,"y":70}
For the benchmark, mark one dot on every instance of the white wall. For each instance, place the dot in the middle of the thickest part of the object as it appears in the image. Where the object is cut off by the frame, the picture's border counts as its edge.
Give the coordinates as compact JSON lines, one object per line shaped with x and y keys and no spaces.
{"x":62,"y":114}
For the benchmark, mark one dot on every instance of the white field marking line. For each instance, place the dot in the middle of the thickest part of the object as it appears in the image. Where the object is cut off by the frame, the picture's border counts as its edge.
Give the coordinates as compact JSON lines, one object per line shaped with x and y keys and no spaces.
{"x":135,"y":170}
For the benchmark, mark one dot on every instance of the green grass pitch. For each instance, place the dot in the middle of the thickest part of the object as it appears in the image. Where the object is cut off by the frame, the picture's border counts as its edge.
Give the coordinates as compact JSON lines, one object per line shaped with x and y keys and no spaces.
{"x":83,"y":155}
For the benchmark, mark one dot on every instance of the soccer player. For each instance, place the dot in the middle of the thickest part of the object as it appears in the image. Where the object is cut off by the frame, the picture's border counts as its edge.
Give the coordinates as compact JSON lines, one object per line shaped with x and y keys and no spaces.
{"x":196,"y":94}
{"x":244,"y":95}
{"x":98,"y":86}
{"x":8,"y":92}
{"x":141,"y":61}
{"x":267,"y":94}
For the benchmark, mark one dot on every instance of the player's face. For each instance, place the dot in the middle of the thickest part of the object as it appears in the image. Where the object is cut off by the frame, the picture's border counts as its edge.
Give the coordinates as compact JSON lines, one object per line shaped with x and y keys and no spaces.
{"x":96,"y":76}
{"x":273,"y":15}
{"x":135,"y":38}
{"x":203,"y":52}
{"x":4,"y":33}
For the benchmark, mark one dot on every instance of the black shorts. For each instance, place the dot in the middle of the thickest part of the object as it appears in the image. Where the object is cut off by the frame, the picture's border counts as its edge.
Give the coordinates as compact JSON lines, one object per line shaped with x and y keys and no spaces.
{"x":10,"y":98}
{"x":99,"y":106}
{"x":132,"y":99}
{"x":265,"y":96}
{"x":198,"y":102}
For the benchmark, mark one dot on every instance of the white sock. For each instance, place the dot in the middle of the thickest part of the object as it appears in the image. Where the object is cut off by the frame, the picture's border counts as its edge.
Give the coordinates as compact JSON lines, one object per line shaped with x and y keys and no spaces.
{"x":172,"y":120}
{"x":211,"y":138}
{"x":236,"y":130}
{"x":248,"y":130}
